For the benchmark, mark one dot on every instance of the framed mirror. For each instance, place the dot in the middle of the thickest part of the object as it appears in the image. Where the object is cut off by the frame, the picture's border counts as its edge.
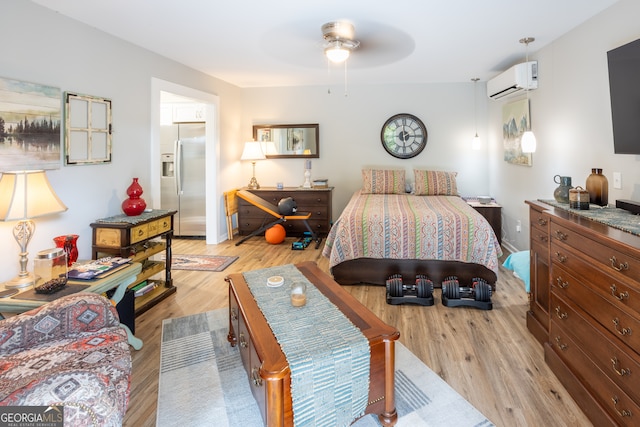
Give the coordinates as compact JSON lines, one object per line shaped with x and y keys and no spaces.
{"x":288,"y":141}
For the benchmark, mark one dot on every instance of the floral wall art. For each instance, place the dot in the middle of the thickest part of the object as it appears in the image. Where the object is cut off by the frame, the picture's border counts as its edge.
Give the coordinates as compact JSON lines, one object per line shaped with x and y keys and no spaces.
{"x":515,"y":121}
{"x":30,"y":125}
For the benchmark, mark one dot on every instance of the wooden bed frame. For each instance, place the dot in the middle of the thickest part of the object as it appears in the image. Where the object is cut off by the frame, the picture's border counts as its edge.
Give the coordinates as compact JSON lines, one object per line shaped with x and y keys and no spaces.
{"x":375,"y":271}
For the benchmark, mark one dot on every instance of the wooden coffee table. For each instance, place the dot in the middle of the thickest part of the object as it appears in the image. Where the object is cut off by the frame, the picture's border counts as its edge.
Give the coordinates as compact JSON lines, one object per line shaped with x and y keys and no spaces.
{"x":267,"y":367}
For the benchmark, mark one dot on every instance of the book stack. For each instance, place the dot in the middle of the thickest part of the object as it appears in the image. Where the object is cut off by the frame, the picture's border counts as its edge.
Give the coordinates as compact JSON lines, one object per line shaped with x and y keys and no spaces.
{"x":143,"y":288}
{"x":321,"y":183}
{"x":97,"y":269}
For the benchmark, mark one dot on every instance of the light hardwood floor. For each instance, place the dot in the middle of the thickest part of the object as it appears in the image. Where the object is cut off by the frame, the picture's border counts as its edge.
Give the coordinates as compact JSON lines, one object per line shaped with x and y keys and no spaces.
{"x":487,"y":356}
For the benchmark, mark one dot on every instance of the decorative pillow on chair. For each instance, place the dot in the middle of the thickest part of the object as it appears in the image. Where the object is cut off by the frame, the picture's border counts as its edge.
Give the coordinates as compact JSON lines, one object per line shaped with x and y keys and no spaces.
{"x":379,"y":181}
{"x":435,"y":183}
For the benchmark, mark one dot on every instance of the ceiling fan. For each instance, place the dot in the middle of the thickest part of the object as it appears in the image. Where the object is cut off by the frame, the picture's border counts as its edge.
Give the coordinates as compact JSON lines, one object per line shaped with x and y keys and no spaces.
{"x":339,"y":39}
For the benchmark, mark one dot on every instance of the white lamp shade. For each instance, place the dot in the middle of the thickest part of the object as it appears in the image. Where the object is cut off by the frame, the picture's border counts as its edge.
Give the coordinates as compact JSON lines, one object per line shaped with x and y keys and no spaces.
{"x":26,"y":195}
{"x":252,"y":151}
{"x":269,"y":148}
{"x":528,"y":142}
{"x":476,"y":143}
{"x":337,"y":53}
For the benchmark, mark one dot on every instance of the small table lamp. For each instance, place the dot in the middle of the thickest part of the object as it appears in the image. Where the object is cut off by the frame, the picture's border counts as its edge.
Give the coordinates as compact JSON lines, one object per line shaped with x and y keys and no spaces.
{"x":253,"y":151}
{"x":25,"y":195}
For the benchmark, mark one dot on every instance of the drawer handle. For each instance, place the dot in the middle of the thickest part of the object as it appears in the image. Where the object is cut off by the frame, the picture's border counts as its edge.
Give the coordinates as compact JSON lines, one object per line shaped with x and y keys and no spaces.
{"x":560,"y":345}
{"x":542,"y":238}
{"x":561,"y":257}
{"x":620,"y":265}
{"x":140,"y":232}
{"x":624,"y":412}
{"x":542,"y":221}
{"x":560,"y":314}
{"x":560,"y":235}
{"x":621,"y":296}
{"x":243,"y":342}
{"x":561,"y":283}
{"x":623,"y":331}
{"x":621,"y":371}
{"x":234,"y":314}
{"x":255,"y":377}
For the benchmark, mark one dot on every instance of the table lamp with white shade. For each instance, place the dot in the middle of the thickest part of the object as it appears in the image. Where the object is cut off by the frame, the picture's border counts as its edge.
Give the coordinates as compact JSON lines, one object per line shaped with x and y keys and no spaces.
{"x":25,"y":195}
{"x":253,"y":151}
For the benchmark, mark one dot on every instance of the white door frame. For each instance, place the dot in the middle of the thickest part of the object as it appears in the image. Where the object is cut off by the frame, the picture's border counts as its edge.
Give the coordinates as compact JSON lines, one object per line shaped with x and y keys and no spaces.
{"x":212,"y":102}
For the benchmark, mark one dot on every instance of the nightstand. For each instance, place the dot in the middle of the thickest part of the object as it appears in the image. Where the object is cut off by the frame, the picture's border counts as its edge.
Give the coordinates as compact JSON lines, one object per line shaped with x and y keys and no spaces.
{"x":492,"y":213}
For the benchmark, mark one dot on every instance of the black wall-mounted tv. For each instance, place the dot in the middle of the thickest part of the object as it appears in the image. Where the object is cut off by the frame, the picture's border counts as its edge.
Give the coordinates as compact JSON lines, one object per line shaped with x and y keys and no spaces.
{"x":624,"y":87}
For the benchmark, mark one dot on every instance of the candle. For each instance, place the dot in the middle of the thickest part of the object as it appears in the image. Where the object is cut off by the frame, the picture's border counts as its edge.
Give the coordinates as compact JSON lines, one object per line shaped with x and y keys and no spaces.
{"x":308,"y":164}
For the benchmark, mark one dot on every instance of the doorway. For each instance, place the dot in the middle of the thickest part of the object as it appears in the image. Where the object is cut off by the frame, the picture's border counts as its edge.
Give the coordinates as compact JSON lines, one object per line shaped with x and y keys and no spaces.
{"x":166,"y":92}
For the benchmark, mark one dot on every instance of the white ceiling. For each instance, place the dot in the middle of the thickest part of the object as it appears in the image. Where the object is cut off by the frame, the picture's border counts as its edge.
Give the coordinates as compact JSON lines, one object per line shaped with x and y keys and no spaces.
{"x":254,"y":43}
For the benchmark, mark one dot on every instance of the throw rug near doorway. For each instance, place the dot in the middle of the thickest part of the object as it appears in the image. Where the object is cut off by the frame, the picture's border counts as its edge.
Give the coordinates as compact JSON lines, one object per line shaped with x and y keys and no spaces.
{"x":201,"y":262}
{"x":203,"y":382}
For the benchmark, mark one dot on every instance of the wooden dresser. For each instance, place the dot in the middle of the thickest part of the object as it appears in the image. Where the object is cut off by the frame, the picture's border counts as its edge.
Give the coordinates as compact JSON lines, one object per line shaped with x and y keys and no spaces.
{"x":593,"y":343}
{"x":314,"y":200}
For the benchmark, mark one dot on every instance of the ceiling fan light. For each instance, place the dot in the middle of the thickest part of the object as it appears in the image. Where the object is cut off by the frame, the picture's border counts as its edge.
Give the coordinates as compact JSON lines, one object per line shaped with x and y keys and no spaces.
{"x":528,"y":142}
{"x":337,"y":53}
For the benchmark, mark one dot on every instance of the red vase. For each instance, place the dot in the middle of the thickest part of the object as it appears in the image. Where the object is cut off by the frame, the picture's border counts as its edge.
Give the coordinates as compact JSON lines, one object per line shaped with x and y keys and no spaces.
{"x":70,"y":246}
{"x":134,"y":205}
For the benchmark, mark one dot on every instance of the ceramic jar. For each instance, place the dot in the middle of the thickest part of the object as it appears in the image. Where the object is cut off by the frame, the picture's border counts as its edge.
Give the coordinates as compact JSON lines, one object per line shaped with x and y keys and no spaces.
{"x":579,"y":198}
{"x":561,"y":194}
{"x":598,"y":187}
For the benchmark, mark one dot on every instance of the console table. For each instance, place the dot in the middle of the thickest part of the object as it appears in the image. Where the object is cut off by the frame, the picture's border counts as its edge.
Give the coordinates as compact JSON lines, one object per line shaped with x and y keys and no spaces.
{"x":267,"y":367}
{"x":138,"y":238}
{"x":314,"y":200}
{"x":27,"y":299}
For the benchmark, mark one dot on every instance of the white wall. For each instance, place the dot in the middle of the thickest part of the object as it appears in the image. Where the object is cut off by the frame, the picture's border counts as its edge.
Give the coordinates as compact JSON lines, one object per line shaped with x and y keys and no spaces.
{"x":571,"y":117}
{"x":350,"y":132}
{"x":44,"y":47}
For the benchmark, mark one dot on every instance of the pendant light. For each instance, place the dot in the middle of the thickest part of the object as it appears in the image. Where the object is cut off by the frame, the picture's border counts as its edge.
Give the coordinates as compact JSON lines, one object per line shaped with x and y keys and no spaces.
{"x":475,"y":142}
{"x":528,"y":141}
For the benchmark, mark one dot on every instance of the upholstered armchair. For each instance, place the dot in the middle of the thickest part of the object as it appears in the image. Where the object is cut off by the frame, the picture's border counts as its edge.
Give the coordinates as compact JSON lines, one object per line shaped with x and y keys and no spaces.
{"x":71,"y":352}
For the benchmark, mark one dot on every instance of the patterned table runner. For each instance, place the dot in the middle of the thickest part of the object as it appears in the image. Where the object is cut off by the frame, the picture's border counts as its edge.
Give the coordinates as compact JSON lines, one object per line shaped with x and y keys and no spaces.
{"x":613,"y":217}
{"x":328,"y":356}
{"x":144,"y":216}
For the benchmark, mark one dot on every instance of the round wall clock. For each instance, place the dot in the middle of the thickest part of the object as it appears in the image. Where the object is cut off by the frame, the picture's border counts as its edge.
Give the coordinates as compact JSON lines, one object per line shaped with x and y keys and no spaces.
{"x":404,"y":136}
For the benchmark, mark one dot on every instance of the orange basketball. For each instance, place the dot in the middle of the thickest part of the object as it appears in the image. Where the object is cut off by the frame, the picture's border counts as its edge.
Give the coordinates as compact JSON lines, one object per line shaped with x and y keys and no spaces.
{"x":275,"y":235}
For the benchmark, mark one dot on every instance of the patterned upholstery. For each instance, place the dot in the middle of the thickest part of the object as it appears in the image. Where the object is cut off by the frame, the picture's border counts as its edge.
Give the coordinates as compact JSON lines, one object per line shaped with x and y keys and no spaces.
{"x":69,"y":352}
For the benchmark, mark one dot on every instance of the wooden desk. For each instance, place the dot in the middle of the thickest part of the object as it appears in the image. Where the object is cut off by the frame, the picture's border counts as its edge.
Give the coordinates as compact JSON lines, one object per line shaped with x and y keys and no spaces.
{"x":267,"y":368}
{"x":119,"y":281}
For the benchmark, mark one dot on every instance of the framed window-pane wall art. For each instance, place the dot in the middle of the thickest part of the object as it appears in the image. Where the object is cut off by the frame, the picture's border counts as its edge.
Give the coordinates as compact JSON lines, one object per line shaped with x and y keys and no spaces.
{"x":87,"y":129}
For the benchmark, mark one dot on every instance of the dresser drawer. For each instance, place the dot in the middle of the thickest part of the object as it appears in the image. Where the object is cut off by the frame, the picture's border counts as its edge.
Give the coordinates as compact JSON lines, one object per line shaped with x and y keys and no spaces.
{"x":139,"y":233}
{"x":619,"y":323}
{"x":621,"y":294}
{"x":620,"y":364}
{"x":613,"y":259}
{"x":612,"y":398}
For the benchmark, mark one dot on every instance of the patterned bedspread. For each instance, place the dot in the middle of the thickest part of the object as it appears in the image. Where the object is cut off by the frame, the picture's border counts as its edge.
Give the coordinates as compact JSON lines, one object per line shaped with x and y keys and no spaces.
{"x":402,"y":226}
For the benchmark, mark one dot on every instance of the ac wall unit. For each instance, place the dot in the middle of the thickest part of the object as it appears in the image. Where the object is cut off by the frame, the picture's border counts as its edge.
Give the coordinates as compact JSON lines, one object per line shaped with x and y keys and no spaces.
{"x":519,"y":77}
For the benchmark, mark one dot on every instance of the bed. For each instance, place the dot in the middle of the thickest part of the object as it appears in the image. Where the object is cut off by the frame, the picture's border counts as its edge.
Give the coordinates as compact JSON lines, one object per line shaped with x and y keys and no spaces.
{"x":383,"y":230}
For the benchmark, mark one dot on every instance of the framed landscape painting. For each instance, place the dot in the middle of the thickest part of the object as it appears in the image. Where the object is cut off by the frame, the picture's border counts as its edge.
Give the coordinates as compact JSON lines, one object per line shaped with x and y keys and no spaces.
{"x":30,"y":126}
{"x":515,"y":121}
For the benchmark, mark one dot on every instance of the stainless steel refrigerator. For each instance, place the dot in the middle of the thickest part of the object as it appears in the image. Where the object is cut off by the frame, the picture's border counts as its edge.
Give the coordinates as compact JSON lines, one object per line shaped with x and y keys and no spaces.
{"x":182,"y":148}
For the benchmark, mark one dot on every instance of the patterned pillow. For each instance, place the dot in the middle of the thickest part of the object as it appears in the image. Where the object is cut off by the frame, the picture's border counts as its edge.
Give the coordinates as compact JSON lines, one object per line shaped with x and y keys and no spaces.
{"x":383,"y":181}
{"x":435,"y":183}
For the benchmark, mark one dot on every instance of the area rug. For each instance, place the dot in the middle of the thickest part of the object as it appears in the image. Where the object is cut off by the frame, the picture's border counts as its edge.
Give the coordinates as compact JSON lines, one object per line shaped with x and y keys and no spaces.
{"x":203,"y":383}
{"x":201,"y":262}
